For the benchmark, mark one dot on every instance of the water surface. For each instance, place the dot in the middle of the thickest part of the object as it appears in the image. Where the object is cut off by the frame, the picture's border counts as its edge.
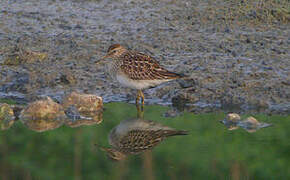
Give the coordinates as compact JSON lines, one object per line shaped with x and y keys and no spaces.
{"x":209,"y":151}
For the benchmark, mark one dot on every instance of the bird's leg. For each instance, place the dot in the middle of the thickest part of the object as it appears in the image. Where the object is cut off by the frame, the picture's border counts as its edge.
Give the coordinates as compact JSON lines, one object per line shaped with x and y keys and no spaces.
{"x":140,"y":111}
{"x":138,"y":97}
{"x":142,"y":96}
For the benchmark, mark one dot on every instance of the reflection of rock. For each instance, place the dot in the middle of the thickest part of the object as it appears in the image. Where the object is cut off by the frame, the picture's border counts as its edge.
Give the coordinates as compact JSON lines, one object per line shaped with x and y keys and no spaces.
{"x":17,"y":110}
{"x":233,"y":121}
{"x":43,"y":115}
{"x":73,"y":114}
{"x":136,"y":136}
{"x":83,"y":109}
{"x":84,"y":102}
{"x":76,"y":119}
{"x":6,"y":116}
{"x":252,"y":125}
{"x":233,"y":117}
{"x":173,"y":112}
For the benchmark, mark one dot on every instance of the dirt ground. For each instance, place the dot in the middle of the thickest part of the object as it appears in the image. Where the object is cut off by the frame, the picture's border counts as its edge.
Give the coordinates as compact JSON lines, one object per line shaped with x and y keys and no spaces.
{"x":235,"y":62}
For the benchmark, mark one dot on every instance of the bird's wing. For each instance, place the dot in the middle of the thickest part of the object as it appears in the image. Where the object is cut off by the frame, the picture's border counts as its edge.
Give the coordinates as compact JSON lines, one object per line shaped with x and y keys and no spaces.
{"x":139,"y":66}
{"x":137,"y":141}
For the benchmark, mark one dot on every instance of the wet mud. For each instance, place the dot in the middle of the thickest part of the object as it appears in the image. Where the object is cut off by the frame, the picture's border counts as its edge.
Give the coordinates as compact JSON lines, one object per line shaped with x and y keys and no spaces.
{"x":49,"y":48}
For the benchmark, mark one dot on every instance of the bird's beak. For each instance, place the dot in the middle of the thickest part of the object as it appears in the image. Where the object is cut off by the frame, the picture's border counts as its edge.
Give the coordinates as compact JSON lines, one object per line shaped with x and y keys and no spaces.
{"x":101,"y":148}
{"x":105,"y":57}
{"x":101,"y":60}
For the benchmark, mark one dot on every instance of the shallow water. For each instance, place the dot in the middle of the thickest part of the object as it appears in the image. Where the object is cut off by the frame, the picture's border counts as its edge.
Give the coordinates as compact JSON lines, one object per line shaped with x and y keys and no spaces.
{"x":209,"y":151}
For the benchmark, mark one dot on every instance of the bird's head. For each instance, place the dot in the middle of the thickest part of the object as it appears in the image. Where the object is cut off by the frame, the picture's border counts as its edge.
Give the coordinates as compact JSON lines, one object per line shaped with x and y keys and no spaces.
{"x":115,"y":50}
{"x":114,"y":154}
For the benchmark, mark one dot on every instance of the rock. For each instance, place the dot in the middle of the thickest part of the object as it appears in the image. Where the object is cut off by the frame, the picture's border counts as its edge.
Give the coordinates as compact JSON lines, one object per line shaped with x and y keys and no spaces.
{"x":172,"y":112}
{"x":22,"y":56}
{"x":186,"y":83}
{"x":76,"y":119}
{"x":68,"y":78}
{"x":6,"y":116}
{"x":233,"y":117}
{"x":252,"y":121}
{"x":83,"y":109}
{"x":17,"y":110}
{"x":43,"y":115}
{"x":251,"y":124}
{"x":18,"y":82}
{"x":231,"y":121}
{"x":179,"y":102}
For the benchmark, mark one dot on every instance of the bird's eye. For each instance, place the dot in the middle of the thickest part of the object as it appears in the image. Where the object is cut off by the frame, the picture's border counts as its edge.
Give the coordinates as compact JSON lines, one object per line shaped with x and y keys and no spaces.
{"x":114,"y":51}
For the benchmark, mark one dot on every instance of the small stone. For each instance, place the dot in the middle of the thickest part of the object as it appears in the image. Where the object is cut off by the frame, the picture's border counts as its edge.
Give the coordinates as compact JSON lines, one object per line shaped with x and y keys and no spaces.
{"x":179,"y":102}
{"x":186,"y":83}
{"x":252,"y":121}
{"x":43,"y":115}
{"x":88,"y":106}
{"x":76,"y":119}
{"x":22,"y":56}
{"x":227,"y":30}
{"x":78,"y":26}
{"x":251,"y":124}
{"x":233,"y":117}
{"x":171,"y":113}
{"x":64,"y":27}
{"x":68,"y":78}
{"x":6,"y":116}
{"x":231,"y":121}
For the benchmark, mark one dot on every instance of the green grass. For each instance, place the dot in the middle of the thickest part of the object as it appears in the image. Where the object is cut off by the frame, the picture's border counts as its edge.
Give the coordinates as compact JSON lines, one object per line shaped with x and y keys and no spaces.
{"x":210,"y":151}
{"x":8,"y":101}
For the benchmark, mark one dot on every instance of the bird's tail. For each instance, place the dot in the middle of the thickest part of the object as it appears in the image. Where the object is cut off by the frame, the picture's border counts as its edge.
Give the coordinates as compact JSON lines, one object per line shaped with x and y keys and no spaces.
{"x":176,"y":133}
{"x":172,"y":75}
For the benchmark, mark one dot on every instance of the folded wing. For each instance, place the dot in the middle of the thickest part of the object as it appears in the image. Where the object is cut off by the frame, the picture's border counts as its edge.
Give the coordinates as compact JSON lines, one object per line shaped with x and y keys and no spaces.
{"x":139,"y":66}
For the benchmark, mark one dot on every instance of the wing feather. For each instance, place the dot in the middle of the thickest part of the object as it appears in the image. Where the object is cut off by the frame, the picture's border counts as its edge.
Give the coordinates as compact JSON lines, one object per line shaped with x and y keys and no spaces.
{"x":139,"y":66}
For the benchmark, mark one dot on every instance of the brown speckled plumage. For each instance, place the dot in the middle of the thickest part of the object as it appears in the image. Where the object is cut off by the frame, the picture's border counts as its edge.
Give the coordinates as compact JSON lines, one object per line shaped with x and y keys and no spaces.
{"x":136,"y":70}
{"x":138,"y":141}
{"x":136,"y":136}
{"x":139,"y":66}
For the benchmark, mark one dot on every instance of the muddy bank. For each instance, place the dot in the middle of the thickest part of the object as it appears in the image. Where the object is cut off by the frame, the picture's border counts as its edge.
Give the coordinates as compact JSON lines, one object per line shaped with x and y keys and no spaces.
{"x":230,"y":66}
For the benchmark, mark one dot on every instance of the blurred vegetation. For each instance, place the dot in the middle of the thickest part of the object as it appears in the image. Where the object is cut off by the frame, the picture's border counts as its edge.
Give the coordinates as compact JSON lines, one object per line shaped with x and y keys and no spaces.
{"x":20,"y":55}
{"x":246,"y":12}
{"x":209,"y":152}
{"x":7,"y":101}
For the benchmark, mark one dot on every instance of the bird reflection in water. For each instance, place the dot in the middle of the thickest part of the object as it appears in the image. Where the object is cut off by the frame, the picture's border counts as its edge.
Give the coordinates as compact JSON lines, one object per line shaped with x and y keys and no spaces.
{"x":134,"y":136}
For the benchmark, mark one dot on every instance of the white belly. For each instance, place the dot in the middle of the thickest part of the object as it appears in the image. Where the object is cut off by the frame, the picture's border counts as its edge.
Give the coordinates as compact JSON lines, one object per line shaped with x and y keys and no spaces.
{"x":138,"y":84}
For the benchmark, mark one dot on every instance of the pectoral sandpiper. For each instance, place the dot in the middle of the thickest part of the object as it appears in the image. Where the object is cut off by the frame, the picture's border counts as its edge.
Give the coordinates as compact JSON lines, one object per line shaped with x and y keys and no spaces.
{"x":136,"y":70}
{"x":135,"y":136}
